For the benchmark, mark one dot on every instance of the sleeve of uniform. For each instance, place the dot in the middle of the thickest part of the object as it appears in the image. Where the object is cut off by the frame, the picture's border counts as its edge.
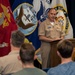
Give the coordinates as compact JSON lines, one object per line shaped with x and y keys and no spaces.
{"x":62,"y":32}
{"x":41,"y":30}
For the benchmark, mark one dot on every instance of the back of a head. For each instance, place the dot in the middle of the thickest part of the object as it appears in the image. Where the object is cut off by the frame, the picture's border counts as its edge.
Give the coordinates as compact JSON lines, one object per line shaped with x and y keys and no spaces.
{"x":27,"y":52}
{"x":17,"y":38}
{"x":65,"y":48}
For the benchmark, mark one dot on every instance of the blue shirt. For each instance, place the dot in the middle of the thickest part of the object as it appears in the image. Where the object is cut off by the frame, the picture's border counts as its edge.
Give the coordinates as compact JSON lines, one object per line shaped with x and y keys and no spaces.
{"x":63,"y":69}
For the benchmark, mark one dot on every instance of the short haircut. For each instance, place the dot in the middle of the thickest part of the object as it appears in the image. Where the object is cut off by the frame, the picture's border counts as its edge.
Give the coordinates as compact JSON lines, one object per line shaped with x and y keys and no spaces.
{"x":17,"y":38}
{"x":65,"y":48}
{"x":27,"y":52}
{"x":49,"y":9}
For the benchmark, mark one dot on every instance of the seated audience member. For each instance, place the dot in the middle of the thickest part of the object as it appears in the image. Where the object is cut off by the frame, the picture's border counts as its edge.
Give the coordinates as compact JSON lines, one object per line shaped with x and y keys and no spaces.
{"x":27,"y":57}
{"x":10,"y":63}
{"x":67,"y":66}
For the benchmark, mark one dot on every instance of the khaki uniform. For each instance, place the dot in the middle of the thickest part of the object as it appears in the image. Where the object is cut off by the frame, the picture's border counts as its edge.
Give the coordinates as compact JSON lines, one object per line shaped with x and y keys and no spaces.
{"x":10,"y":63}
{"x":50,"y":31}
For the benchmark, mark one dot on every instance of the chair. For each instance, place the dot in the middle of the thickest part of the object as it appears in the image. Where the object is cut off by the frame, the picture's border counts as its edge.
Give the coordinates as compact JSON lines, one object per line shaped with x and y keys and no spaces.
{"x":46,"y":69}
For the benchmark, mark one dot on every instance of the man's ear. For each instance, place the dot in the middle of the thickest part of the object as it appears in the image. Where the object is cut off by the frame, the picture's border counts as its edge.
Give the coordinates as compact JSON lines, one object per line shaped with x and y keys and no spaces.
{"x":48,"y":14}
{"x":10,"y":40}
{"x":19,"y":58}
{"x":35,"y":57}
{"x":58,"y":53}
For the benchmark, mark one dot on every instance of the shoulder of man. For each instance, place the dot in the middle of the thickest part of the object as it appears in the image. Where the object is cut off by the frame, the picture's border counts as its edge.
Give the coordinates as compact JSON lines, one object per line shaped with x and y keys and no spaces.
{"x":45,"y":22}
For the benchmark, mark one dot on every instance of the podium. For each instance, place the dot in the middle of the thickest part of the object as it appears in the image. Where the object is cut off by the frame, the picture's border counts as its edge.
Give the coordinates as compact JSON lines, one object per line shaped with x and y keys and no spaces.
{"x":54,"y":59}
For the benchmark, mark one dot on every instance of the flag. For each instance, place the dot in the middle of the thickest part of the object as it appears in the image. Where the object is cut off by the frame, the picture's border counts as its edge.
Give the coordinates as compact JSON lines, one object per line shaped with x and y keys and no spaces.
{"x":41,"y":8}
{"x":62,"y":17}
{"x":7,"y":25}
{"x":60,"y":6}
{"x":26,"y":20}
